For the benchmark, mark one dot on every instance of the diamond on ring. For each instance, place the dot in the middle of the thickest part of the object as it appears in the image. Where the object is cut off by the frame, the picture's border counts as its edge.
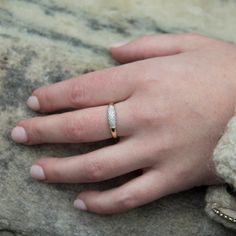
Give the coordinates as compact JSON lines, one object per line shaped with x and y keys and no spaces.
{"x":111,"y":114}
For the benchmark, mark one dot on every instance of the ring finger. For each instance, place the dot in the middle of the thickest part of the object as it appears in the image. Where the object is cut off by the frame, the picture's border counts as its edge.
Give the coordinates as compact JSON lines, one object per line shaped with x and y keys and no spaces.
{"x":85,"y":125}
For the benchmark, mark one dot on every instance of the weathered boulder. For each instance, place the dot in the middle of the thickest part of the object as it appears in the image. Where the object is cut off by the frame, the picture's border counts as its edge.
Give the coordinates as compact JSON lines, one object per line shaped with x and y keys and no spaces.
{"x":43,"y":42}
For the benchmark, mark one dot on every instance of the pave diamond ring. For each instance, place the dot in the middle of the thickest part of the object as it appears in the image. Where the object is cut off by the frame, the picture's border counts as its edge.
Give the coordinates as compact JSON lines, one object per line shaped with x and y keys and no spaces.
{"x":111,"y":115}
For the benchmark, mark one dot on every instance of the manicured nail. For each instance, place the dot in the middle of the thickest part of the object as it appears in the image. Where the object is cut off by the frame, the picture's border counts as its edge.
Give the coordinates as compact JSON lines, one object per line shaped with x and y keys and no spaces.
{"x":37,"y":172}
{"x":119,"y":44}
{"x":78,"y":203}
{"x":33,"y":103}
{"x":19,"y":135}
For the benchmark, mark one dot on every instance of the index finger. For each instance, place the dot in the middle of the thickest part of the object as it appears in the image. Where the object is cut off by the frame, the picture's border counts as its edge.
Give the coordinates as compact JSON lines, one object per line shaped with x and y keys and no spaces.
{"x":92,"y":89}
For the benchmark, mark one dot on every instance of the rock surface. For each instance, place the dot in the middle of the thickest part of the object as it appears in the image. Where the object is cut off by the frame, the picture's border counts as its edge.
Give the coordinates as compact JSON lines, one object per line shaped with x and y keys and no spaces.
{"x":43,"y":42}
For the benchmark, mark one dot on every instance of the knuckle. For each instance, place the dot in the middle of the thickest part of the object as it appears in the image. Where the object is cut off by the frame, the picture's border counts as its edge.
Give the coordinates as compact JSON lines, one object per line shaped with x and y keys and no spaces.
{"x":74,"y":129}
{"x":35,"y":131}
{"x":55,"y":172}
{"x":95,"y":171}
{"x":77,"y":95}
{"x":127,"y":200}
{"x":144,"y":118}
{"x":148,"y":117}
{"x":166,"y":143}
{"x":179,"y":174}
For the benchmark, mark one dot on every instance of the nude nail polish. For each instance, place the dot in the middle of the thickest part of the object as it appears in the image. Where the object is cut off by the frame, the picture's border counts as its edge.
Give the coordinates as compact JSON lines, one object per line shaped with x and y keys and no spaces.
{"x":33,"y":103}
{"x":37,"y":172}
{"x":119,"y":44}
{"x":78,"y":203}
{"x":19,"y":135}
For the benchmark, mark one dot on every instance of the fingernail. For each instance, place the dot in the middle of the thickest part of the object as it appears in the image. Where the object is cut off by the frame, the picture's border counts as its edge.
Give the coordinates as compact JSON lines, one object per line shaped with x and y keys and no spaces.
{"x":19,"y":135}
{"x":33,"y":103}
{"x":119,"y":44}
{"x":37,"y":172}
{"x":78,"y":203}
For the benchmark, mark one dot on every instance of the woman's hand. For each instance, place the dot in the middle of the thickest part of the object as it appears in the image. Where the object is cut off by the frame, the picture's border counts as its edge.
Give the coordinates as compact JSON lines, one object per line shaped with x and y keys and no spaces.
{"x":173,"y":102}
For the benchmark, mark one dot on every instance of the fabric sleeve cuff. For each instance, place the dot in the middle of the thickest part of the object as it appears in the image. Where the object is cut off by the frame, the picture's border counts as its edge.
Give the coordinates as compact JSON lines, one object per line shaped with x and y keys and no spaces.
{"x":220,"y":204}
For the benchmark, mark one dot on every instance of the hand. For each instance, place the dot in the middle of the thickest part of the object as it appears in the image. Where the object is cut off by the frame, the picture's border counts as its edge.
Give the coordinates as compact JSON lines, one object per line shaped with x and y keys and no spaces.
{"x":173,"y":99}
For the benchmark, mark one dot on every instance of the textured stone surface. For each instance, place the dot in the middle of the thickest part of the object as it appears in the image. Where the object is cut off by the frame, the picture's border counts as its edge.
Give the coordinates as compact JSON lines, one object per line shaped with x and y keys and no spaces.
{"x":47,"y":41}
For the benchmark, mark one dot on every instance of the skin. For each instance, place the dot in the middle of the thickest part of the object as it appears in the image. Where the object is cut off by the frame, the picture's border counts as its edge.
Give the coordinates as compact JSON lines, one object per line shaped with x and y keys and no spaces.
{"x":174,"y":95}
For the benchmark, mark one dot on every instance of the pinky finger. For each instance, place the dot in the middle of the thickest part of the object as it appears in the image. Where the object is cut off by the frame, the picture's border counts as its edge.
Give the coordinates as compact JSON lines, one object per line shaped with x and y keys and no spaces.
{"x":136,"y":192}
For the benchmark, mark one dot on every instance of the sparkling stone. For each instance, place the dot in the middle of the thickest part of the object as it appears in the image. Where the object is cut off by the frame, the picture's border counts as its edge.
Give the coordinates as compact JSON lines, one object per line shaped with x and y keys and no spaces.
{"x":111,"y":116}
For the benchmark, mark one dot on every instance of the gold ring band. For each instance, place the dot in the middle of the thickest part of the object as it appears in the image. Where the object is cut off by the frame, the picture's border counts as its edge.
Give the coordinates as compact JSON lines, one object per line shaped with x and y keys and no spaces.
{"x":111,"y":115}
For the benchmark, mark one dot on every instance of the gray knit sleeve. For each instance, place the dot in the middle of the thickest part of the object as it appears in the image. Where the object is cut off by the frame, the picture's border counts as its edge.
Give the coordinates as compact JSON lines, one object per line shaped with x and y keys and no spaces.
{"x":221,"y":199}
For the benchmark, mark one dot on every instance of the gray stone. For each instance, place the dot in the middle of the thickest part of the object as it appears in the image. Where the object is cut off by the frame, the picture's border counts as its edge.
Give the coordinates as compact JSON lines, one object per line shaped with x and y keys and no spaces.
{"x":7,"y":233}
{"x":42,"y":42}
